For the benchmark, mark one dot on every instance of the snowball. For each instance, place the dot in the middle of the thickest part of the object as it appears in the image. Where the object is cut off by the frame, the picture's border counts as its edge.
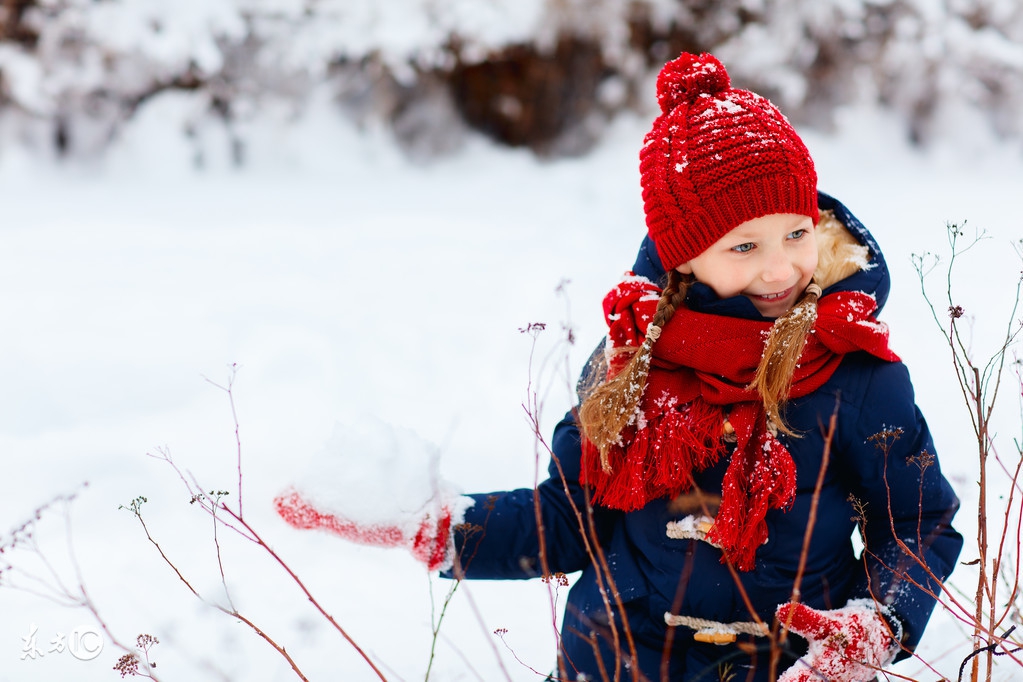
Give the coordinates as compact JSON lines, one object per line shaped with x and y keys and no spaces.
{"x":375,"y":473}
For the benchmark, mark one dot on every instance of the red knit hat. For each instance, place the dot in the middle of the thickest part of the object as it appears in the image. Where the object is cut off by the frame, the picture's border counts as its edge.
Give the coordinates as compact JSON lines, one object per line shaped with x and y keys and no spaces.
{"x":715,"y":158}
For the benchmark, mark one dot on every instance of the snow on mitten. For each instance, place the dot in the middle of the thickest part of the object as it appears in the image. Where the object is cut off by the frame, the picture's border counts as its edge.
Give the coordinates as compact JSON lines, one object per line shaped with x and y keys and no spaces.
{"x":850,"y":644}
{"x":378,"y":485}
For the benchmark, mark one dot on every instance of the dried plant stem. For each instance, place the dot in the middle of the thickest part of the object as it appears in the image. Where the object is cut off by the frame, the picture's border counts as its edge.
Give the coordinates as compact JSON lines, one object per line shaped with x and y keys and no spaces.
{"x":220,"y":556}
{"x":437,"y":620}
{"x":615,"y":613}
{"x":301,"y":585}
{"x":601,"y":559}
{"x":1014,"y":583}
{"x":501,"y":634}
{"x":269,"y":640}
{"x":979,"y":385}
{"x":212,"y":503}
{"x":606,"y":585}
{"x":541,"y":532}
{"x":479,"y":619}
{"x":531,"y":406}
{"x":227,"y":611}
{"x":229,"y":390}
{"x":50,"y":584}
{"x":982,"y":541}
{"x":778,"y":639}
{"x":458,"y":570}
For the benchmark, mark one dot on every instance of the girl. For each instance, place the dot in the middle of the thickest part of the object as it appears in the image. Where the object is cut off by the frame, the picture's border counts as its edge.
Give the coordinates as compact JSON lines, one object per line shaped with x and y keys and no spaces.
{"x":745,"y":417}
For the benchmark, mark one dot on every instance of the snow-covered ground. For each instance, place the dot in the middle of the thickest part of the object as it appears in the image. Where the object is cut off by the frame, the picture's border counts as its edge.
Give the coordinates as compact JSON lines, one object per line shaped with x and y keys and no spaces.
{"x":348,"y":283}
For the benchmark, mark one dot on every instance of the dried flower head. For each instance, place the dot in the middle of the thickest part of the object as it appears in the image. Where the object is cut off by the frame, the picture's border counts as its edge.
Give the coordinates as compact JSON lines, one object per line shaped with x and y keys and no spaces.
{"x":558,"y":578}
{"x":127,"y":665}
{"x":146,"y":641}
{"x":884,"y":438}
{"x":923,"y":460}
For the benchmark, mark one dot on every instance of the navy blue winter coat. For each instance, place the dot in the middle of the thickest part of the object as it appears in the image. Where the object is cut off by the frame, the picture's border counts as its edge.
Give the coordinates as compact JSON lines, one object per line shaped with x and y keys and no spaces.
{"x":890,"y":495}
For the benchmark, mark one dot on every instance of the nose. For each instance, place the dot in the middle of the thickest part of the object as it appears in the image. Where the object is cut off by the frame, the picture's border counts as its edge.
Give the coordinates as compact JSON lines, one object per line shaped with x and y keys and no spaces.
{"x":777,"y":267}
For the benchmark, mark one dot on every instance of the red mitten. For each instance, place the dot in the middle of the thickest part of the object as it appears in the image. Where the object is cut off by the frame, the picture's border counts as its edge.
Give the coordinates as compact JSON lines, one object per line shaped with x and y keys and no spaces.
{"x":850,"y":644}
{"x":378,"y":485}
{"x":429,"y":542}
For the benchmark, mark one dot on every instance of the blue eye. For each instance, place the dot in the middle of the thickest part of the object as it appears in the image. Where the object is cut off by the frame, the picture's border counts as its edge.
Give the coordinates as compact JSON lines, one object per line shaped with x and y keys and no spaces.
{"x":743,"y":248}
{"x":797,"y":234}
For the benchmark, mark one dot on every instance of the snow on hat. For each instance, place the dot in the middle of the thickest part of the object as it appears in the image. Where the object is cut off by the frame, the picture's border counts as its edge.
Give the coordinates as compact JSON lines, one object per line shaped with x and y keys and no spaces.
{"x":715,"y":158}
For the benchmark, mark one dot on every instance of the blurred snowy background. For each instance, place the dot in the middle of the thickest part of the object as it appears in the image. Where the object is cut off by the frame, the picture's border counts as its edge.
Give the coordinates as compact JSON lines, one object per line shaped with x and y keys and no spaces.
{"x":361,"y":203}
{"x":79,"y":74}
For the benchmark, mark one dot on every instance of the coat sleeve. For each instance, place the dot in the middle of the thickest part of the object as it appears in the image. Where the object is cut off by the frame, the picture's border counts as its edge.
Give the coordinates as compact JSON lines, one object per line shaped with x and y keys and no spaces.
{"x":500,"y":539}
{"x":904,"y":503}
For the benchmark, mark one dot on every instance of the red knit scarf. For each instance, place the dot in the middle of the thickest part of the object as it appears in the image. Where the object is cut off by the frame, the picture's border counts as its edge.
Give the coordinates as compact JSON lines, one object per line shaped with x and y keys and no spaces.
{"x":700,"y":374}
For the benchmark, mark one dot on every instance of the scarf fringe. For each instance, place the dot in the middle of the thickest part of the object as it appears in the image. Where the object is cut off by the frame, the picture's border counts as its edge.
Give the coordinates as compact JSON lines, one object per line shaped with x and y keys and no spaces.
{"x":659,"y":459}
{"x":752,"y":485}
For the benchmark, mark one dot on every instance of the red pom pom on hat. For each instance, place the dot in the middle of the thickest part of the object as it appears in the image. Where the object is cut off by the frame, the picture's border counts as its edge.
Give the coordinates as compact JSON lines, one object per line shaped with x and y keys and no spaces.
{"x":681,"y":81}
{"x":716,"y":157}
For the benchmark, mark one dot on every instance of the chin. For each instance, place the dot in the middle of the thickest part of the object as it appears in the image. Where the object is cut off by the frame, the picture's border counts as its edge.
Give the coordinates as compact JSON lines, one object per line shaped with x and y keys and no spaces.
{"x":774,"y":309}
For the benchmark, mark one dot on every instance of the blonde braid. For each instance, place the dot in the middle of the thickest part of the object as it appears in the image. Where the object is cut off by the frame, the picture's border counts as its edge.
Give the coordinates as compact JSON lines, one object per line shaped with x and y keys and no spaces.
{"x":784,"y":345}
{"x":614,"y":404}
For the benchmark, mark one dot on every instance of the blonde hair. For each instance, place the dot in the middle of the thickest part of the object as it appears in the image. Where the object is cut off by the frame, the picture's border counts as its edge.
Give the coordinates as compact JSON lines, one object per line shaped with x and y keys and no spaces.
{"x":611,"y":405}
{"x":784,"y":345}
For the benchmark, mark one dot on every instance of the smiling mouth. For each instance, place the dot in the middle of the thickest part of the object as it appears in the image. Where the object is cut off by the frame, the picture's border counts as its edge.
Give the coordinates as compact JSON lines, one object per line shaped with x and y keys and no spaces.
{"x":774,"y":297}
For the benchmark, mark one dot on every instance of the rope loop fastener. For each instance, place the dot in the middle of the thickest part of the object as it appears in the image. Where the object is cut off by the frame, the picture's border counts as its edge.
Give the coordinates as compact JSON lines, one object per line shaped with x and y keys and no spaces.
{"x":714,"y":632}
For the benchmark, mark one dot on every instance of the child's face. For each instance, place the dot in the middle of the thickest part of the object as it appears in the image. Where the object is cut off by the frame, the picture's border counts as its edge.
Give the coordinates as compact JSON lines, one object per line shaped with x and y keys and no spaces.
{"x":770,"y":260}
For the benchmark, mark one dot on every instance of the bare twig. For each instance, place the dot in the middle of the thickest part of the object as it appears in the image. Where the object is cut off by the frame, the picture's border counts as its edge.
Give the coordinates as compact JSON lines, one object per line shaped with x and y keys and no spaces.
{"x":778,"y":638}
{"x":229,"y":390}
{"x":587,"y":528}
{"x":50,"y":585}
{"x":980,"y":385}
